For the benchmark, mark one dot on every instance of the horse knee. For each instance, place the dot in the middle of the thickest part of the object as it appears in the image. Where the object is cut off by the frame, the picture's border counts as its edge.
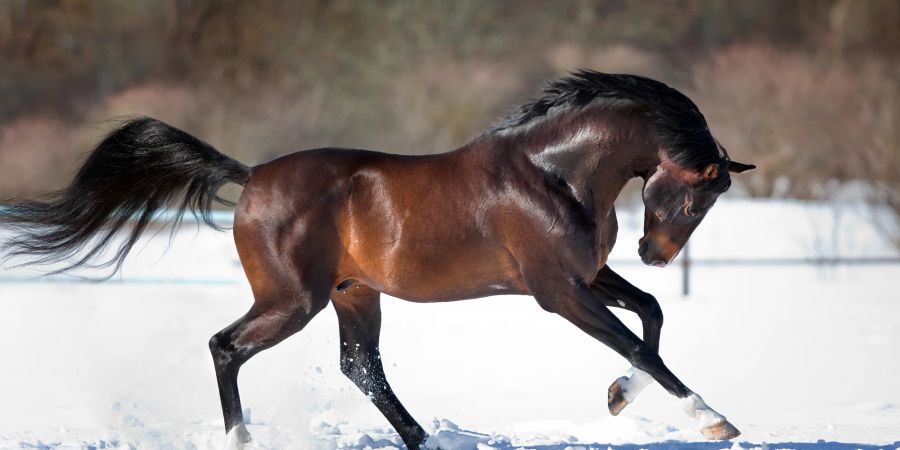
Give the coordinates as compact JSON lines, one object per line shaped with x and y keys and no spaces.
{"x":653,"y":313}
{"x":648,"y":310}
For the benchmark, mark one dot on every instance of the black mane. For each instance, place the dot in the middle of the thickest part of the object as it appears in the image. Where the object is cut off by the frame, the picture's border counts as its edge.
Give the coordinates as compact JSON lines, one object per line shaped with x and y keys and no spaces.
{"x":681,"y":126}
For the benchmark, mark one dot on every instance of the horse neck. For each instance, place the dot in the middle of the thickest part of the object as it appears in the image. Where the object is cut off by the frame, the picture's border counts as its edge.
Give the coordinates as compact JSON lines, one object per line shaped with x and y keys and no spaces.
{"x":594,"y":151}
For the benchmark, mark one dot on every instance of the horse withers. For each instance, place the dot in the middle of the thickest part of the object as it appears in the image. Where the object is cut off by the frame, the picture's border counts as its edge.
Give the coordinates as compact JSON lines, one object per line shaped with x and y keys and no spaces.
{"x":525,"y":208}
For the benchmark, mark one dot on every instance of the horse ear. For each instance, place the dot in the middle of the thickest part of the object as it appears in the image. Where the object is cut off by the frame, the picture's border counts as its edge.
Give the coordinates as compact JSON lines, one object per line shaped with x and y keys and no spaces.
{"x":710,"y":172}
{"x":736,"y":167}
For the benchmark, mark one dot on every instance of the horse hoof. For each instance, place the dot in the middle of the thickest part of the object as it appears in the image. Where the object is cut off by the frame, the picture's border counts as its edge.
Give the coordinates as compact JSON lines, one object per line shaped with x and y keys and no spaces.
{"x":720,"y":431}
{"x":616,"y":398}
{"x":237,"y":438}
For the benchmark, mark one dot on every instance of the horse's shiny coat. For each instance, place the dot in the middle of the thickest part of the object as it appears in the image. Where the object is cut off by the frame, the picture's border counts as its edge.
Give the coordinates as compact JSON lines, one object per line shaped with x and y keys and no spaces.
{"x":525,"y":213}
{"x":526,"y":208}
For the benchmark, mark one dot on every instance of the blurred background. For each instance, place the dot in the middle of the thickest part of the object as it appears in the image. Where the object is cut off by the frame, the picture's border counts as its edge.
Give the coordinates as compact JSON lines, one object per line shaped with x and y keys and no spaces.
{"x":806,"y":90}
{"x":788,"y":325}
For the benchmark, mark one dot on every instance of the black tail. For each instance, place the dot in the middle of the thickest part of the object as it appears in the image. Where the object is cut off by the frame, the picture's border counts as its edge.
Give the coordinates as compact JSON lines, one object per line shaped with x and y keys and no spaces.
{"x":137,"y":170}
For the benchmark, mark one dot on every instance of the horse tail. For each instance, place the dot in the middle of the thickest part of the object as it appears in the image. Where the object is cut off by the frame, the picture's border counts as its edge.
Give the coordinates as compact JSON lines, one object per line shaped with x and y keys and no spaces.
{"x":137,"y":170}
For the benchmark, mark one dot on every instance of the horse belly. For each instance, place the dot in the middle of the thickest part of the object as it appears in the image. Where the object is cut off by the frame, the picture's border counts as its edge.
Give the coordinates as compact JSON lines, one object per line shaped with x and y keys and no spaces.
{"x":437,"y":270}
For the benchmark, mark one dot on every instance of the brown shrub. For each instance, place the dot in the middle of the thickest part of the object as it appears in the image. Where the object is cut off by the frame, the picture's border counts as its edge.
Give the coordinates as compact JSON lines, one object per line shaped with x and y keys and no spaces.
{"x":806,"y":118}
{"x":36,"y":156}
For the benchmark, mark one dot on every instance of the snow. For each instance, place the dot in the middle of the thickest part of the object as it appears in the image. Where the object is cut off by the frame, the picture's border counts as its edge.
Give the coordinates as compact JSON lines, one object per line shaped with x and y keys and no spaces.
{"x":796,"y":357}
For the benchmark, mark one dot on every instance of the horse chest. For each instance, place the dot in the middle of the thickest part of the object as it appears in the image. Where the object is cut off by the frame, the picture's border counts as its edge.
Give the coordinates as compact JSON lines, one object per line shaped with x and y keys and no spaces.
{"x":583,"y":244}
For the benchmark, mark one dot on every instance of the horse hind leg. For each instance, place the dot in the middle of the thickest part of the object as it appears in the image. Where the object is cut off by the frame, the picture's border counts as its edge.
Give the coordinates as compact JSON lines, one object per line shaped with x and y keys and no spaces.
{"x":359,"y":318}
{"x":287,"y":294}
{"x":256,"y":331}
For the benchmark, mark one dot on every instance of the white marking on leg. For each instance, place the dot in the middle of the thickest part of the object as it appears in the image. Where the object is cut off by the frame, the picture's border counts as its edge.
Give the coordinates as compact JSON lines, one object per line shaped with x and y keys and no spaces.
{"x":237,"y":438}
{"x":634,"y":381}
{"x":696,"y":408}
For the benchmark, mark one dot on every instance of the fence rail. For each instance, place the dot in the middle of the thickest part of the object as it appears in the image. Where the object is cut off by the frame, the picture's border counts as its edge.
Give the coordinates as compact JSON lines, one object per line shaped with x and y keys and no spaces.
{"x":686,"y":263}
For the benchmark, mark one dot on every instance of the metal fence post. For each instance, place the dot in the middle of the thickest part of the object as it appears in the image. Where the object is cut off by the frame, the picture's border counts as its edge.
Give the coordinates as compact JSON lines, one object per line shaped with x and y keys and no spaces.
{"x":686,"y":271}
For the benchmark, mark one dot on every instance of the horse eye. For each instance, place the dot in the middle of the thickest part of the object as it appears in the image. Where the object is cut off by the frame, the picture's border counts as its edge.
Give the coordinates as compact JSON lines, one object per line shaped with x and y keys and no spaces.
{"x":690,"y":211}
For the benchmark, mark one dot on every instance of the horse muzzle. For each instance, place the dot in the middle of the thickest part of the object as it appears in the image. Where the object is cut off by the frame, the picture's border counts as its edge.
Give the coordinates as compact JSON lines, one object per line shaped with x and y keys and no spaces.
{"x":650,"y":253}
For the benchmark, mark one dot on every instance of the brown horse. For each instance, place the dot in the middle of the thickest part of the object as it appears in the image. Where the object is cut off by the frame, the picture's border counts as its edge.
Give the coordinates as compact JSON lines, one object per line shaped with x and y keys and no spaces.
{"x":526,"y":208}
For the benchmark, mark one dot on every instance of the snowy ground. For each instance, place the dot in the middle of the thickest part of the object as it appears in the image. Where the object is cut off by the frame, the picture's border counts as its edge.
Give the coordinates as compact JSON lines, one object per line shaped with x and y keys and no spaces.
{"x":796,"y":357}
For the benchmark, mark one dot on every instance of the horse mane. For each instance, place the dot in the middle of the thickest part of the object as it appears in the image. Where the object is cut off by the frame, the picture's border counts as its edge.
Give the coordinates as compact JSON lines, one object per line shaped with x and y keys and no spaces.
{"x":680,"y":124}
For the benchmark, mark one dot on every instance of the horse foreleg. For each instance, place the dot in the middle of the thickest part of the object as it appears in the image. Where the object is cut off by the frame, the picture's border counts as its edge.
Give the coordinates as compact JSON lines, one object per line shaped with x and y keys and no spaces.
{"x":359,"y":317}
{"x":578,"y":304}
{"x":615,"y":291}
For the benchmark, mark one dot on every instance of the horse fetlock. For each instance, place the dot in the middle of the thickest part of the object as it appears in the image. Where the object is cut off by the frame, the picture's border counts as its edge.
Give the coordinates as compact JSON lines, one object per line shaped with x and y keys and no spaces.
{"x":635,"y":381}
{"x":626,"y":389}
{"x":714,"y":426}
{"x":694,"y":406}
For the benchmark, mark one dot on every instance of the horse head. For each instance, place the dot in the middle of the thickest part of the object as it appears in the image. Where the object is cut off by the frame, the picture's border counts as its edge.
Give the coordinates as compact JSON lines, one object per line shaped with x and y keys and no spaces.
{"x":676,"y":199}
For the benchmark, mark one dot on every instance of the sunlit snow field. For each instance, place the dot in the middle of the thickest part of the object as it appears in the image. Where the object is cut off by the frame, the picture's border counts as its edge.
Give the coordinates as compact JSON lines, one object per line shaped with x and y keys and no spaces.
{"x":796,"y":356}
